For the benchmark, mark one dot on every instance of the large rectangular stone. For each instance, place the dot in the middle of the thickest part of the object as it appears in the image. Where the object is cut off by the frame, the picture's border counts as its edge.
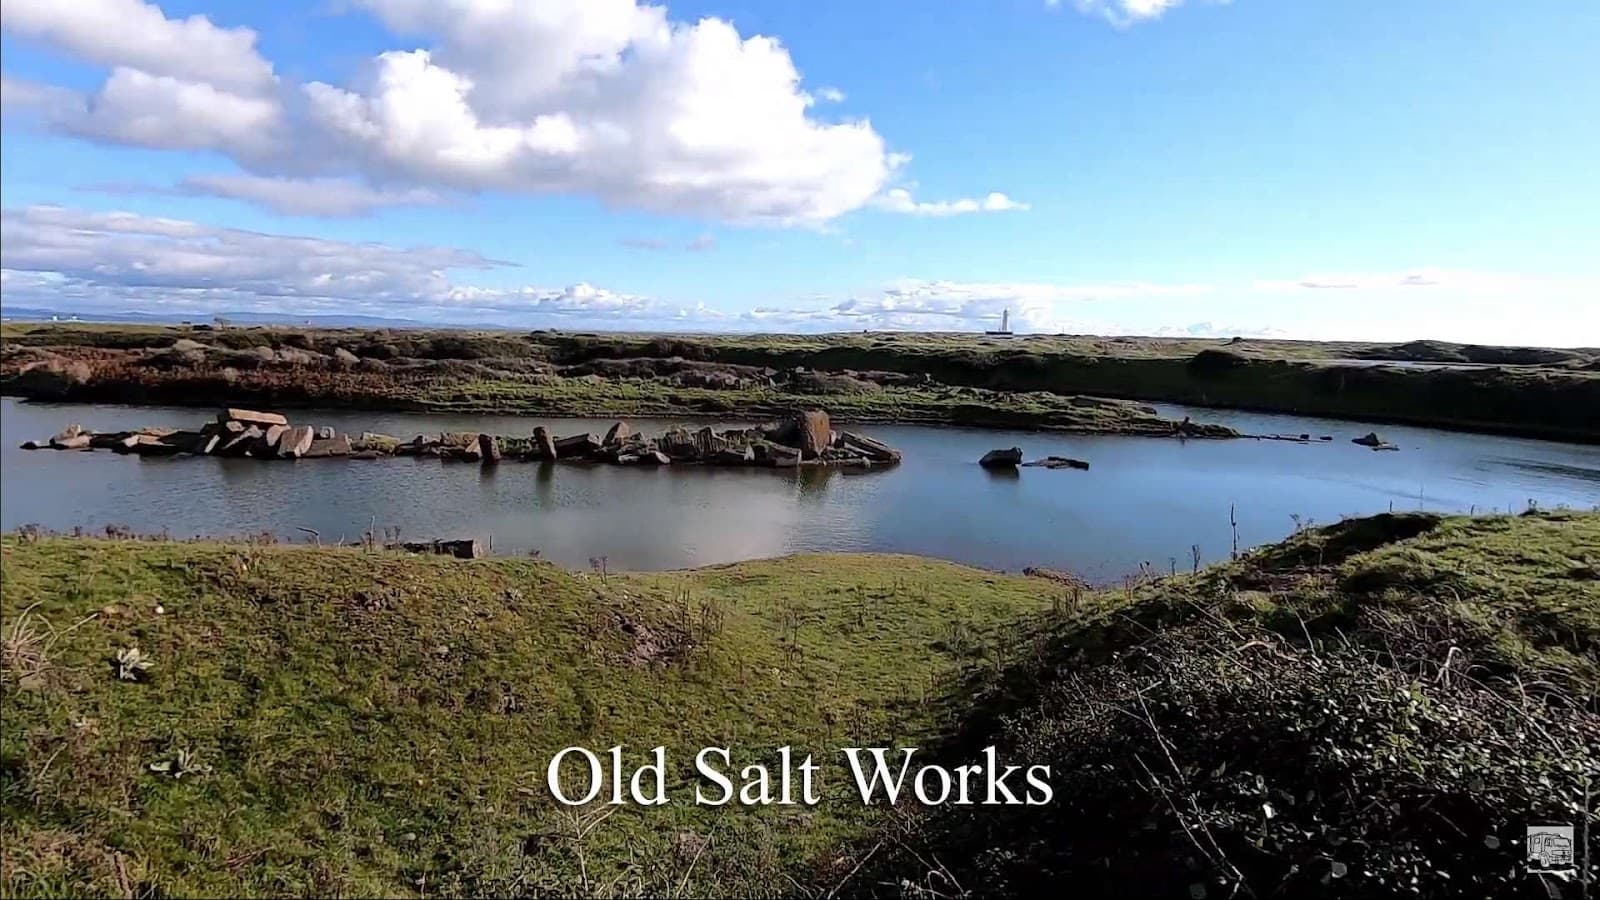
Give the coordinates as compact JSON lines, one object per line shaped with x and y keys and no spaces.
{"x":578,"y":446}
{"x":252,"y":417}
{"x":877,"y":451}
{"x":295,"y":441}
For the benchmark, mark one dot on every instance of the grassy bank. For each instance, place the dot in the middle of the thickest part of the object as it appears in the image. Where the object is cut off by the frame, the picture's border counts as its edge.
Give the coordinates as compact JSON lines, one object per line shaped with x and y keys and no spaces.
{"x":376,"y":724}
{"x":1397,"y":695}
{"x":510,"y":374}
{"x":1026,"y":381}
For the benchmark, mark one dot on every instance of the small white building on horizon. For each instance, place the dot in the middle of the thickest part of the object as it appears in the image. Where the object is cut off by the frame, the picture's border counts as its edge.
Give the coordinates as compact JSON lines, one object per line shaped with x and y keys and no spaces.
{"x":1005,"y":325}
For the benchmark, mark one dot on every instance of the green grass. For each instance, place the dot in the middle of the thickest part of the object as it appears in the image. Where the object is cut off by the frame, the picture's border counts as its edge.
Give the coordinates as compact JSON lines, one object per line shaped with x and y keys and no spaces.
{"x":1397,"y":688}
{"x":350,"y":753}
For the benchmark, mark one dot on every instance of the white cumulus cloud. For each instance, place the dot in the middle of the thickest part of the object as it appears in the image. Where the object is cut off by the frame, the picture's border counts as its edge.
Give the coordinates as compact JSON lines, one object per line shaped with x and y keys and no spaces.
{"x":138,"y":35}
{"x":1124,"y":12}
{"x":607,"y":98}
{"x":900,"y":200}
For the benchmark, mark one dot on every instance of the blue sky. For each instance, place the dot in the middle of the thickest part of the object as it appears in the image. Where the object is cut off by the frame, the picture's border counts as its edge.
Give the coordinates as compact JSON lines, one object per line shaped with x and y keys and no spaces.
{"x":1349,"y":169}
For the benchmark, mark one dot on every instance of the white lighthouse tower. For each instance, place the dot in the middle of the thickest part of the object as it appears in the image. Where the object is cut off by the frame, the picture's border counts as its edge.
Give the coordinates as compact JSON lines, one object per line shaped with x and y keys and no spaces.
{"x":1005,"y":325}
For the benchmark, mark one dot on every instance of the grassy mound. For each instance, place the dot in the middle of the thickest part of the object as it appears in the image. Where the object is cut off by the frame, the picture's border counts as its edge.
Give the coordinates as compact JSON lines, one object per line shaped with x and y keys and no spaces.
{"x":1377,"y":708}
{"x":359,"y":723}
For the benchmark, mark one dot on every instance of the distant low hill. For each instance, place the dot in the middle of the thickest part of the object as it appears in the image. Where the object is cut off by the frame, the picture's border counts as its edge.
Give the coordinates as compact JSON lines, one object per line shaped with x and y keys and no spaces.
{"x":42,"y":314}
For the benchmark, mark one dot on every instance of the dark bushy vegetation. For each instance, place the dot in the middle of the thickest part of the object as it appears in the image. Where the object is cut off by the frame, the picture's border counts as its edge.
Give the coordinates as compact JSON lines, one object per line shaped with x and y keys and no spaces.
{"x":1378,"y":708}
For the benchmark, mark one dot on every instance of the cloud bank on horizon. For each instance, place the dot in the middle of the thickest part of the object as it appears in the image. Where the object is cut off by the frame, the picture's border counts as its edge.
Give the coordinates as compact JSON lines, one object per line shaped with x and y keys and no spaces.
{"x":112,"y":262}
{"x":622,"y":104}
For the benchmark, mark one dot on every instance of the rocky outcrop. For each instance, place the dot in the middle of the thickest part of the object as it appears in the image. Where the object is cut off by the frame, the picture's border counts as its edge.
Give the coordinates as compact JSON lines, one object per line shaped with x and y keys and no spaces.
{"x":51,"y":379}
{"x":1002,"y":459}
{"x":265,"y":435}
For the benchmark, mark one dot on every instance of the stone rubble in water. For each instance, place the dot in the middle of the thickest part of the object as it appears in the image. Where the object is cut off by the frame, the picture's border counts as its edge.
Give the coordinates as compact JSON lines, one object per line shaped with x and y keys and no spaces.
{"x":804,"y":438}
{"x":1058,"y":462}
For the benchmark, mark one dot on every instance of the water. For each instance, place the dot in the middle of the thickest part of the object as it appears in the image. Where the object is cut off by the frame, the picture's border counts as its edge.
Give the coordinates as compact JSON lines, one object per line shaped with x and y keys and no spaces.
{"x":1145,"y":500}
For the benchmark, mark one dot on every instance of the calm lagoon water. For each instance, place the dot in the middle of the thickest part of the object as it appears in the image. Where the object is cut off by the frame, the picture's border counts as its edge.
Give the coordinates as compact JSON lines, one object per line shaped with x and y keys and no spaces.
{"x":1143,"y":500}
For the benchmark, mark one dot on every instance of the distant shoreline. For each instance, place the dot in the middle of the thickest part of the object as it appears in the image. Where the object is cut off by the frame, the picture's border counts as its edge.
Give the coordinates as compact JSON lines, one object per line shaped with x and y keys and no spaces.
{"x":1047,"y":383}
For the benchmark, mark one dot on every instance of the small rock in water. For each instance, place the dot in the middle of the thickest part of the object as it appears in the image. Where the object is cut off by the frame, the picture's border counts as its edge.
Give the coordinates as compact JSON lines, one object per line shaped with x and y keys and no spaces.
{"x":997,"y":459}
